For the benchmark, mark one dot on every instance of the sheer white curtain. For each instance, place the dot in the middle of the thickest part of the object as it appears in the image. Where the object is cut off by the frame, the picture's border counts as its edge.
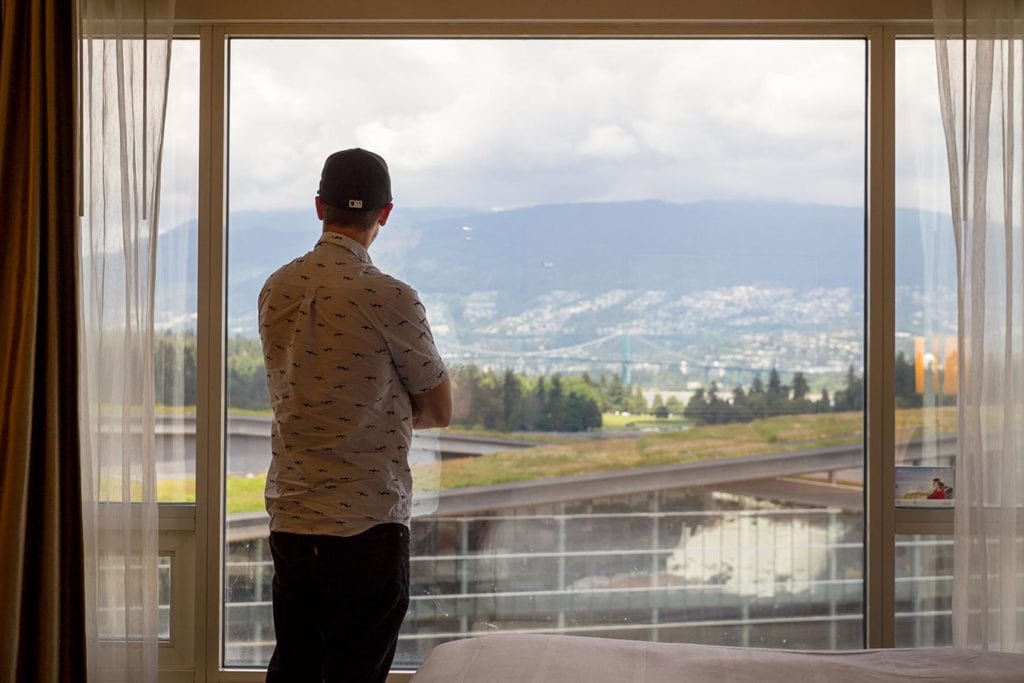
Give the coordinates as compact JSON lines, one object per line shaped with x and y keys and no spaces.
{"x":981,"y":91}
{"x":124,"y":58}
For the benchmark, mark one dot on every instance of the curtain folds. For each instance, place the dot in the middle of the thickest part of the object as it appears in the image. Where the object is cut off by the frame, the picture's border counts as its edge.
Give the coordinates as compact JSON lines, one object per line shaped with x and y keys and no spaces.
{"x":981,"y":93}
{"x":41,"y":591}
{"x":124,"y":52}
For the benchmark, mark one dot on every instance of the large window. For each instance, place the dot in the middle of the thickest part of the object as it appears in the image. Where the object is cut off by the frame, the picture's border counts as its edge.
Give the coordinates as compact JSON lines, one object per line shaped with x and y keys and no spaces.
{"x":647,"y":276}
{"x":654,"y":269}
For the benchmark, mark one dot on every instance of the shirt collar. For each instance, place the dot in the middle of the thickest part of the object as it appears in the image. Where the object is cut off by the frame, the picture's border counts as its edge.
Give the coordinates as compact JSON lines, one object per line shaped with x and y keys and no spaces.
{"x":358,"y":250}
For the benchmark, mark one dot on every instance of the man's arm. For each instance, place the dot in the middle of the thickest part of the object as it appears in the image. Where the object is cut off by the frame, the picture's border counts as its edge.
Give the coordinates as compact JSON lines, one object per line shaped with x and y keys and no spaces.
{"x":433,"y":408}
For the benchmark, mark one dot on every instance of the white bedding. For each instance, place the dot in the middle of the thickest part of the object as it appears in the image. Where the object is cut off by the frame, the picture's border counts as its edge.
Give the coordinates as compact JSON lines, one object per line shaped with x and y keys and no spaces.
{"x":572,"y":659}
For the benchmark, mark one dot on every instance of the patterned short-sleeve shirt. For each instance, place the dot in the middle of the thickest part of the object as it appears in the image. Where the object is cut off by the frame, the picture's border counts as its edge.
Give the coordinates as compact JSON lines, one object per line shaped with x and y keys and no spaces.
{"x":344,"y":346}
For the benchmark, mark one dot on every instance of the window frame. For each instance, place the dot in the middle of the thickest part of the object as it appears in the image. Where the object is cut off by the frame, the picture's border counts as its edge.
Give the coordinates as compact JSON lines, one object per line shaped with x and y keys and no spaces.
{"x":194,"y":533}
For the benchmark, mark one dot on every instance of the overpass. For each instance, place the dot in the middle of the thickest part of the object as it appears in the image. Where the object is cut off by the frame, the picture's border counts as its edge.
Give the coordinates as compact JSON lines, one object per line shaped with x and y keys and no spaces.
{"x":248,"y":444}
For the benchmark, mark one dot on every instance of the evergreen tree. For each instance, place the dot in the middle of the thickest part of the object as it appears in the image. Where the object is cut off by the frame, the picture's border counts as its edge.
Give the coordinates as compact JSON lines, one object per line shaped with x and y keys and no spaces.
{"x":741,"y":411}
{"x":531,"y":407}
{"x":595,"y":420}
{"x":777,"y":395}
{"x":800,"y":403}
{"x":757,"y":399}
{"x":555,"y":404}
{"x":674,"y":405}
{"x":635,"y":403}
{"x":906,"y":389}
{"x":823,"y":405}
{"x":800,"y":387}
{"x":658,"y":408}
{"x":696,"y":407}
{"x":717,"y":410}
{"x":512,"y":402}
{"x":174,"y":368}
{"x":542,"y":422}
{"x":575,"y":416}
{"x":775,"y":387}
{"x":851,"y":397}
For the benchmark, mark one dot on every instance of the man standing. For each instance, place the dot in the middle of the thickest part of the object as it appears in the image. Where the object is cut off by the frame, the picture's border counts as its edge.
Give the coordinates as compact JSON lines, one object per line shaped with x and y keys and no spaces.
{"x":352,"y":369}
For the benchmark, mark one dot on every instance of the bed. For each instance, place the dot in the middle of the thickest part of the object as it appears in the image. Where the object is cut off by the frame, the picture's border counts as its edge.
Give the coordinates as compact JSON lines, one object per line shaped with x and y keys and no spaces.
{"x":574,"y":659}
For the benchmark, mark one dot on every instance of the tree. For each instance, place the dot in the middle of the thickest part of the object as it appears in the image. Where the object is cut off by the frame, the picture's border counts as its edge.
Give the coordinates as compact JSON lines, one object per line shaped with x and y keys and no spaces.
{"x":903,"y":377}
{"x":800,"y":387}
{"x":554,"y":406}
{"x":635,"y":403}
{"x":741,"y":411}
{"x":511,"y":402}
{"x":658,"y":408}
{"x":851,"y":397}
{"x":538,"y":408}
{"x":594,"y":419}
{"x":696,"y":407}
{"x":824,"y":404}
{"x":580,"y":413}
{"x":757,"y":399}
{"x":800,"y":403}
{"x":247,"y":376}
{"x":174,"y":368}
{"x":674,"y":405}
{"x":775,"y":388}
{"x":616,"y":394}
{"x":777,"y":395}
{"x":717,"y":411}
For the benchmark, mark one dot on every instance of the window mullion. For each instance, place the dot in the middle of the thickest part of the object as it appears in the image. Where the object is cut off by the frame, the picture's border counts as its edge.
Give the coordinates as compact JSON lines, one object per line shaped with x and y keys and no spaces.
{"x":879,"y":416}
{"x":210,"y":349}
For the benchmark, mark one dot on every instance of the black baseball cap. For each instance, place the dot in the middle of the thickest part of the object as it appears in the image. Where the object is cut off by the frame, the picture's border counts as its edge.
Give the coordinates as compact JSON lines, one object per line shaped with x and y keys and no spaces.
{"x":355,"y":179}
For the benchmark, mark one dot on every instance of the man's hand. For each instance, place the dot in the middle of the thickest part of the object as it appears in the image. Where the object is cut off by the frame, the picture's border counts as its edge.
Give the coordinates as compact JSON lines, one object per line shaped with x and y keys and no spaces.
{"x":432,"y":408}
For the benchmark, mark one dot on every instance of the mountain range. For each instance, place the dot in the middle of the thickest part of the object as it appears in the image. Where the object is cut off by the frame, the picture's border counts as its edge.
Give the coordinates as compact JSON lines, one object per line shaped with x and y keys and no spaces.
{"x":695,"y":280}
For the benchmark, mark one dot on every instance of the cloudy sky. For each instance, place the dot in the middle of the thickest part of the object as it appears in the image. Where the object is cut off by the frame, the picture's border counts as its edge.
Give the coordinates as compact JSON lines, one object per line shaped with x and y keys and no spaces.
{"x":494,"y":124}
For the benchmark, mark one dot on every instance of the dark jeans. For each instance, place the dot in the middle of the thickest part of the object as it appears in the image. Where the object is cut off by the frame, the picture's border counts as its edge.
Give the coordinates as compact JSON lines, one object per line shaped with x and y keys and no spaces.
{"x":338,"y":604}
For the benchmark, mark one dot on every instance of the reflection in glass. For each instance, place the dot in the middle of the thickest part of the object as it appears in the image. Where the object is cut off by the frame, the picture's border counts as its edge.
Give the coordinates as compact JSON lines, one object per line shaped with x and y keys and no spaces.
{"x":926,"y":326}
{"x":926,"y":317}
{"x":924,"y":591}
{"x":164,"y":596}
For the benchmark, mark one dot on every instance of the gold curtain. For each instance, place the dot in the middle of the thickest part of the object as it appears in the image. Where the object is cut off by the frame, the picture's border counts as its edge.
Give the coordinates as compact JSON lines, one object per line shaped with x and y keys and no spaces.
{"x":41,"y":566}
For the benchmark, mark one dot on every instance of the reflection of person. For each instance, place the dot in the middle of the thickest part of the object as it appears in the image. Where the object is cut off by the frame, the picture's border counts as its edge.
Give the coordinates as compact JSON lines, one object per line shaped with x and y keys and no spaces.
{"x":351,"y":369}
{"x":938,"y":490}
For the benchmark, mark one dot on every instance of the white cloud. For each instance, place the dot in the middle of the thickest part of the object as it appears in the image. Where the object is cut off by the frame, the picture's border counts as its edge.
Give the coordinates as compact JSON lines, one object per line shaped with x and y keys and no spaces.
{"x":512,"y":123}
{"x":611,"y":142}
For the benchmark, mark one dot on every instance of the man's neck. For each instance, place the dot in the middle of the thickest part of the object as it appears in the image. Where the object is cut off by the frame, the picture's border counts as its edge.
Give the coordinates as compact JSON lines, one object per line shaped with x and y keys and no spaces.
{"x":363,"y":237}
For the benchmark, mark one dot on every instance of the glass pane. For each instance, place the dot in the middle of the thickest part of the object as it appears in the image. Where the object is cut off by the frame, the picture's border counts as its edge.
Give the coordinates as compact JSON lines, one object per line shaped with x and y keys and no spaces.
{"x":176,"y":282}
{"x":926,"y":317}
{"x":926,"y":347}
{"x":924,"y":591}
{"x":115,"y":621}
{"x":164,"y":600}
{"x":647,"y":279}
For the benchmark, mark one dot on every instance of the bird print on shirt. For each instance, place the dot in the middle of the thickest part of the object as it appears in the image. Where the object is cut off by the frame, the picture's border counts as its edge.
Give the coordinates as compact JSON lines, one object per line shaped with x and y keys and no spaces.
{"x":323,"y":320}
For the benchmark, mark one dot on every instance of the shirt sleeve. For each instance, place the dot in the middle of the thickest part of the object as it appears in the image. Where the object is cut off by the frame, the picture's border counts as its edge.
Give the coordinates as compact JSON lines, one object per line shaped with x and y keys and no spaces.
{"x":403,"y":324}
